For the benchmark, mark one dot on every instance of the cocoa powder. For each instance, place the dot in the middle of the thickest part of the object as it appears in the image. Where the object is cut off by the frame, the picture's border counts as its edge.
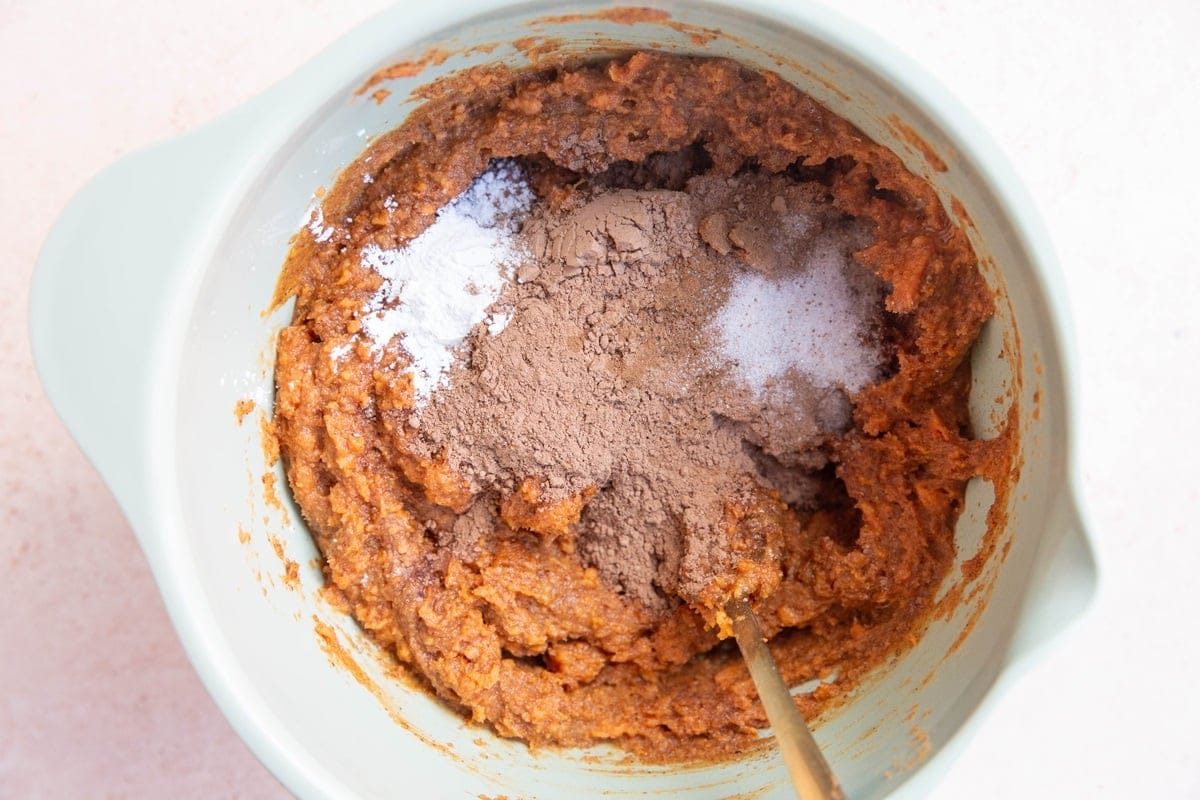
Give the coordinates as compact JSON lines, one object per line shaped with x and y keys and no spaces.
{"x":605,"y":380}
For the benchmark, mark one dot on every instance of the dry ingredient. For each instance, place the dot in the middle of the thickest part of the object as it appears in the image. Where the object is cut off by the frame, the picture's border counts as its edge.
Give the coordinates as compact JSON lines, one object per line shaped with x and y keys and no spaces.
{"x":814,"y":322}
{"x":690,"y":335}
{"x":646,"y":369}
{"x":440,"y":285}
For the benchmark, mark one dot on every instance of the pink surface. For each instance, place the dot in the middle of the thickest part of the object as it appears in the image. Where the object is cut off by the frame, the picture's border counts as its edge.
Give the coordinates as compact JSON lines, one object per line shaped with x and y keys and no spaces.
{"x":96,"y":696}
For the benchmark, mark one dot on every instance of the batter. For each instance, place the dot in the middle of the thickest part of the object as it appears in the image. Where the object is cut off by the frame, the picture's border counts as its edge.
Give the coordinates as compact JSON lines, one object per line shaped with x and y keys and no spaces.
{"x":578,"y":354}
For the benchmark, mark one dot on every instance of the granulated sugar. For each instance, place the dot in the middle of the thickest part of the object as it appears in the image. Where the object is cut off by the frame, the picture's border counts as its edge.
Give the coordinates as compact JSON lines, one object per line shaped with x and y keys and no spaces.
{"x":443,"y":282}
{"x":815,"y":321}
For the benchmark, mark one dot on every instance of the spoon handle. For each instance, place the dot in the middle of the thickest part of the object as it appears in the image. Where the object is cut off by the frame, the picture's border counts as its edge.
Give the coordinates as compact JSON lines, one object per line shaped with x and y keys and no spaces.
{"x":810,"y":772}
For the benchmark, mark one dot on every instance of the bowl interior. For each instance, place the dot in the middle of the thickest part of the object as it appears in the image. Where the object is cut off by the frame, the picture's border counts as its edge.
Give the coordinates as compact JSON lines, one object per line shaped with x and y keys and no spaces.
{"x":318,"y":688}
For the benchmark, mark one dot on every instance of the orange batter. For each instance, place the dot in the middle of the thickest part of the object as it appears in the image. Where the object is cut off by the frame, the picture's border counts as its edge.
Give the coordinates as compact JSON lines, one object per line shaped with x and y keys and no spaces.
{"x":524,"y":637}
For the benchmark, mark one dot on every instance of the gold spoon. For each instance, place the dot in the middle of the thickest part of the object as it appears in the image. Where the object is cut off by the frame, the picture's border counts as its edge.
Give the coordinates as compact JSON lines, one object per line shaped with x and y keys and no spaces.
{"x":811,"y":775}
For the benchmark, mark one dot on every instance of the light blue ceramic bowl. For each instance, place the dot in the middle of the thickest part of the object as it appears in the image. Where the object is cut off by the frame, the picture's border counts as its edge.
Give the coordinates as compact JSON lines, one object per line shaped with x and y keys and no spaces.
{"x":148,"y":328}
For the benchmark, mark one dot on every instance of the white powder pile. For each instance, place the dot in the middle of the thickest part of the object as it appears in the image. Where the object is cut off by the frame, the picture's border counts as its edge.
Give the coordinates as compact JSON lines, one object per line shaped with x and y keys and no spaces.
{"x":315,"y":220}
{"x":816,"y":322}
{"x":441,"y":284}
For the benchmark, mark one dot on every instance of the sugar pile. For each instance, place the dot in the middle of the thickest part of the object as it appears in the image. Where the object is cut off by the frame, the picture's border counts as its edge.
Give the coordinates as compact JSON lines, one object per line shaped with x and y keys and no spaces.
{"x":816,"y":321}
{"x":442,"y":283}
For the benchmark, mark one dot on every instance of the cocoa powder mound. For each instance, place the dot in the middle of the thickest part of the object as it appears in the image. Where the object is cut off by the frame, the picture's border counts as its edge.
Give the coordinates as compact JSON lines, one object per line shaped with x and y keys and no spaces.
{"x":605,"y":384}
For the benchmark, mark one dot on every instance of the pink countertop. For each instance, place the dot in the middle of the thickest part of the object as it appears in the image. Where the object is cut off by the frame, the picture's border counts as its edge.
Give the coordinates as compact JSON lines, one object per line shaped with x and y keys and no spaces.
{"x":96,"y":696}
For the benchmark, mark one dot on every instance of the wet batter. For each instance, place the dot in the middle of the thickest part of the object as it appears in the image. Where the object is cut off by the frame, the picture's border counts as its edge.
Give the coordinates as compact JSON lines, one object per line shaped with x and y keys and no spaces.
{"x":553,"y":560}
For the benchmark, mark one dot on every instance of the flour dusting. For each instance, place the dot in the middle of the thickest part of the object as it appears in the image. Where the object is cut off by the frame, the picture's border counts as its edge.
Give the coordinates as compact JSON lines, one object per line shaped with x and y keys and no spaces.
{"x":442,"y":283}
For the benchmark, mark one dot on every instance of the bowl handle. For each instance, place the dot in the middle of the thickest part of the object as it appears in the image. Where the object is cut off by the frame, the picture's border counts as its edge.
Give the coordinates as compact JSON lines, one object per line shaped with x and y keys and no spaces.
{"x":1062,"y":582}
{"x":103,"y":285}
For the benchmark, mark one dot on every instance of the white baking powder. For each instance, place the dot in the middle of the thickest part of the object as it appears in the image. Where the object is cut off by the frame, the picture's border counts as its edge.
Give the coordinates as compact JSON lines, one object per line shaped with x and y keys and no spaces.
{"x":814,"y":322}
{"x":441,"y":284}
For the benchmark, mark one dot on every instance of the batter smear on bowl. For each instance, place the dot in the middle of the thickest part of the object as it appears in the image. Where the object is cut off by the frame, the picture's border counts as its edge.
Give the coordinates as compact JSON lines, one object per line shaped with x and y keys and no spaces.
{"x":586,"y":351}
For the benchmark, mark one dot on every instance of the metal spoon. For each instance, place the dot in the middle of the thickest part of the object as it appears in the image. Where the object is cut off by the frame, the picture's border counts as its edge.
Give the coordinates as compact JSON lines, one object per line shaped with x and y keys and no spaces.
{"x":811,"y":775}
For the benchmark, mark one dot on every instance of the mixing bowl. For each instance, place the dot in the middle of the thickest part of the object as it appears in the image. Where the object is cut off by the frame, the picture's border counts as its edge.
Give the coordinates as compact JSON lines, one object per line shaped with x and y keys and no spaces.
{"x":150,"y":327}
